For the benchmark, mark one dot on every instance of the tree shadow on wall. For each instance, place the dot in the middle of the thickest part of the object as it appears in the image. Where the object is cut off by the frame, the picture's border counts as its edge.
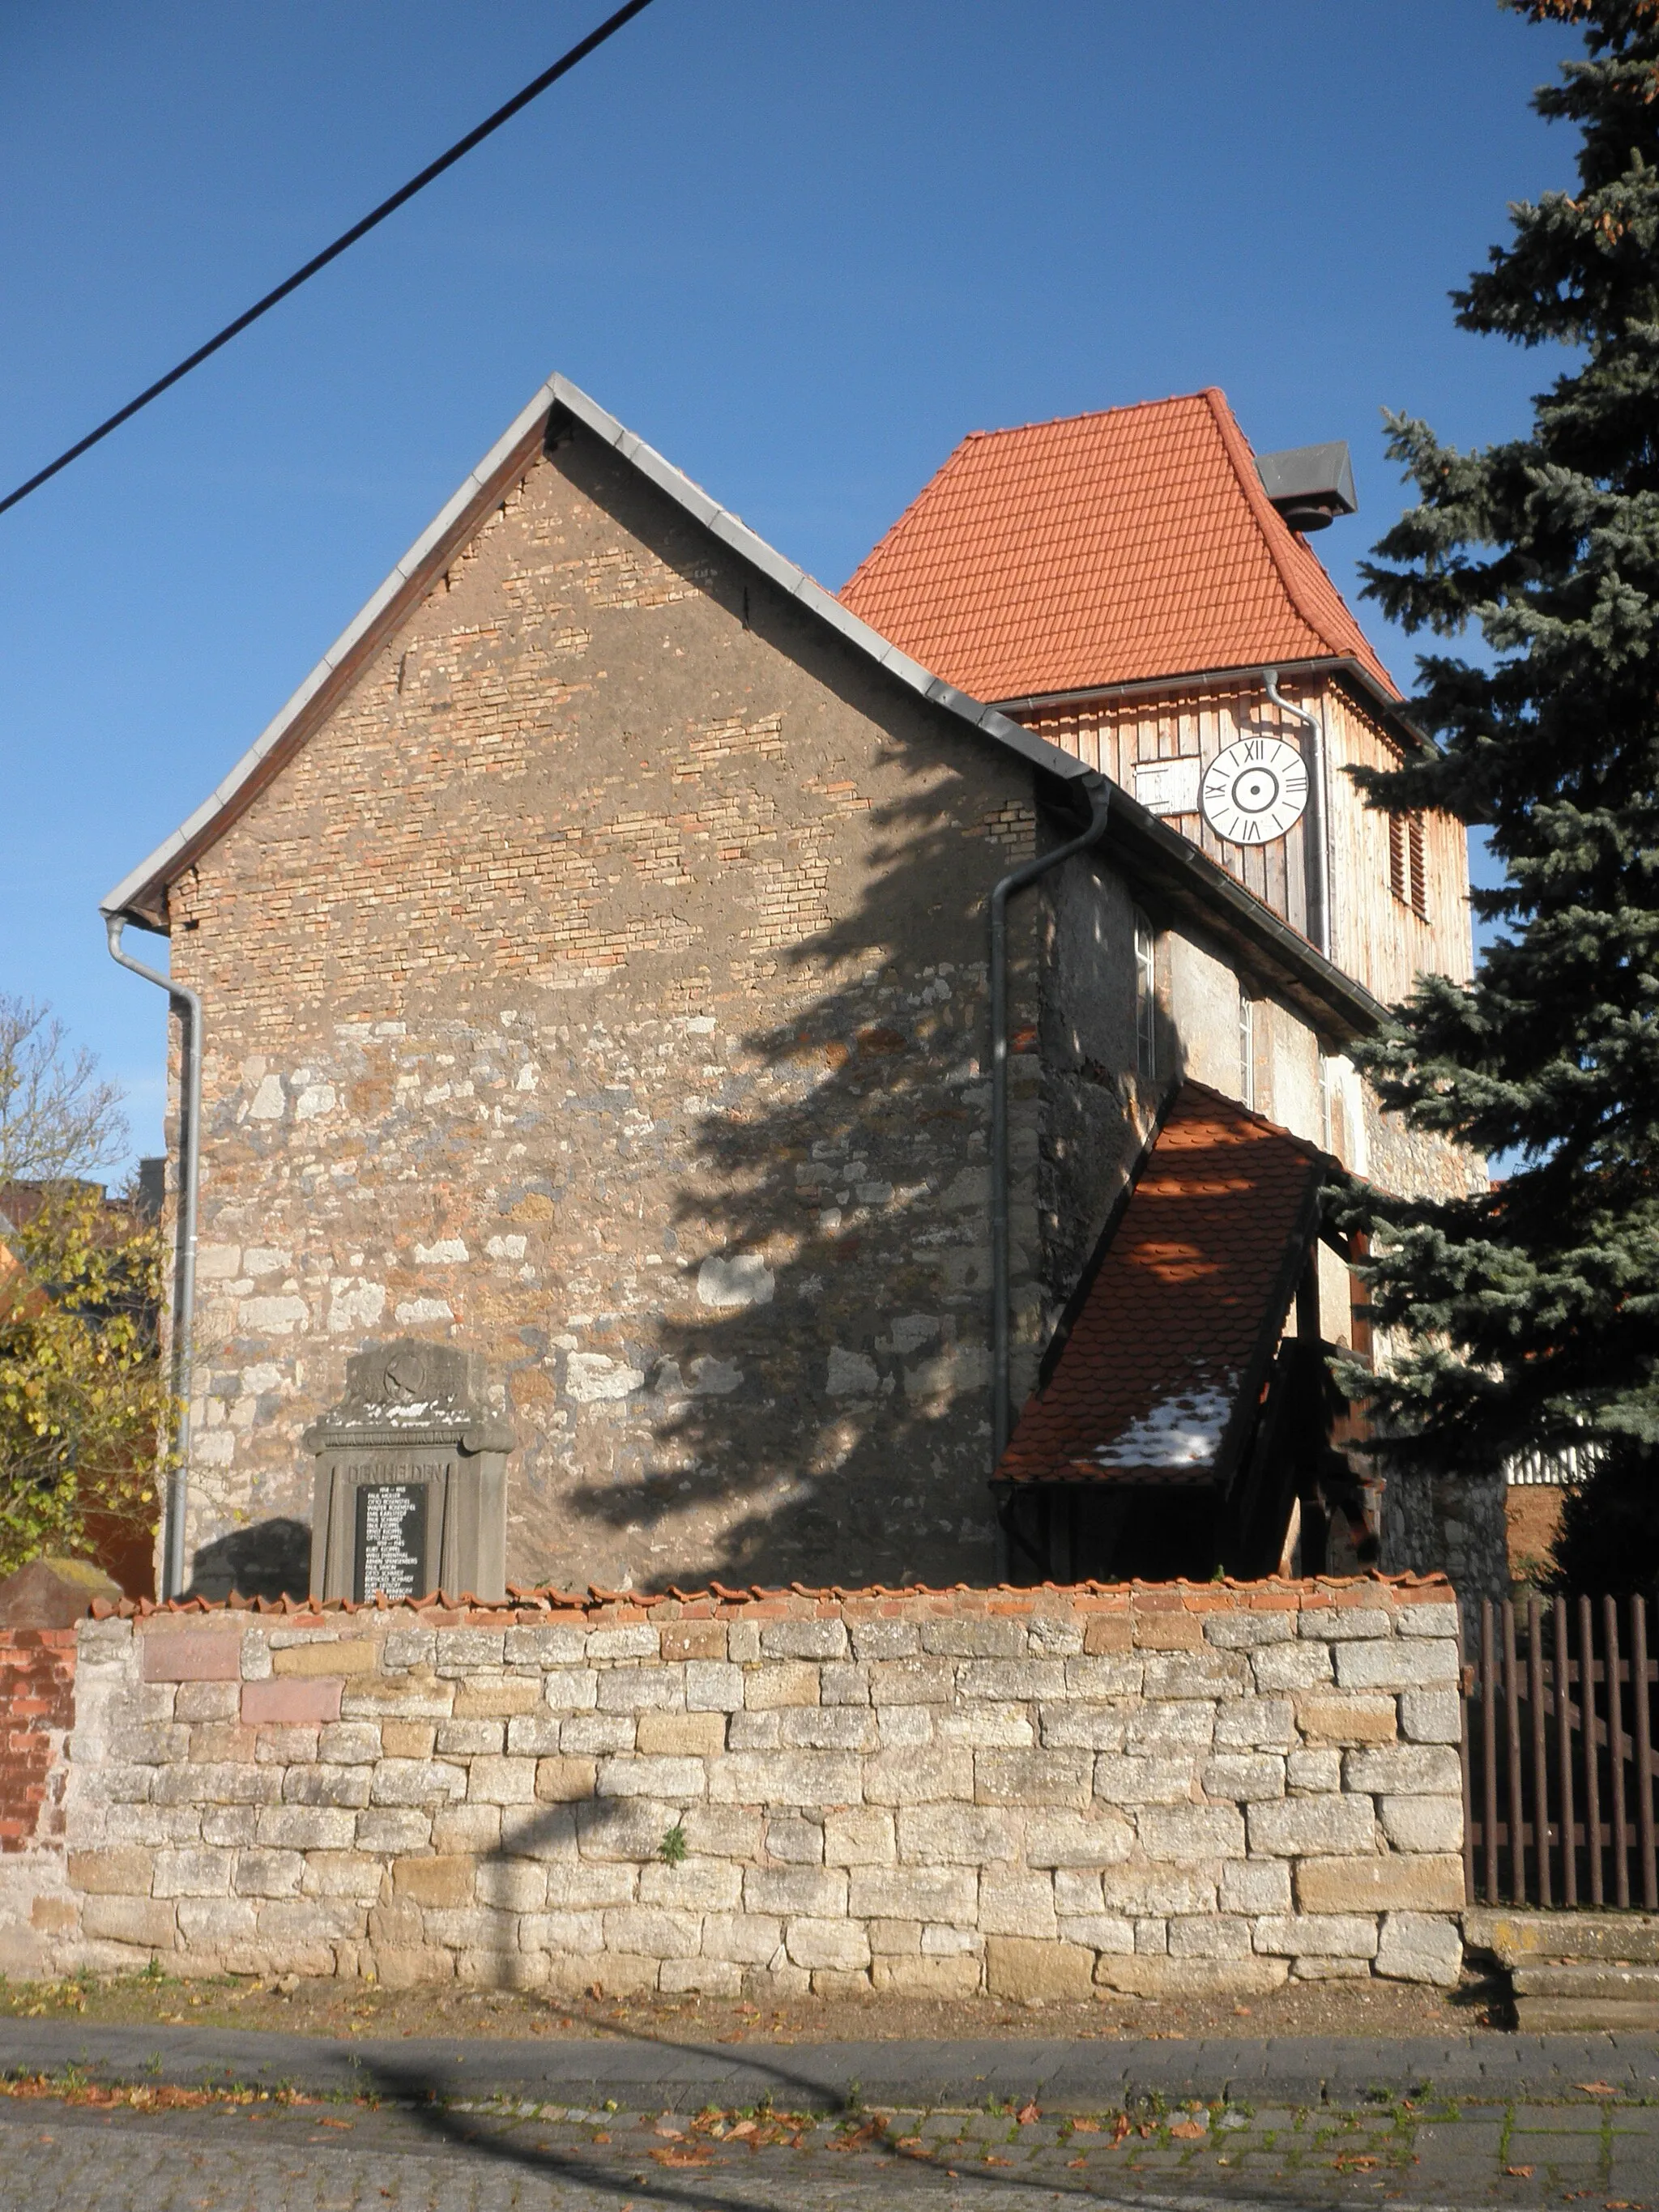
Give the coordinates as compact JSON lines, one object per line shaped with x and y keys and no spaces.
{"x":819,"y":1393}
{"x":815,"y":1396}
{"x":268,"y":1558}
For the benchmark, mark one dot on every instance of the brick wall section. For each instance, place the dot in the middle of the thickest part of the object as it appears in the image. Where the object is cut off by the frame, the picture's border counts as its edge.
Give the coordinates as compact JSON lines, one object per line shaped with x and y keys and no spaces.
{"x":37,"y":1696}
{"x":37,"y":1711}
{"x":1032,"y":1792}
{"x":1532,"y":1518}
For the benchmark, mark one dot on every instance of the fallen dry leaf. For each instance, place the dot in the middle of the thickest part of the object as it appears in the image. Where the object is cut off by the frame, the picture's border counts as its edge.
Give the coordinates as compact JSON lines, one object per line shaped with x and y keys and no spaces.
{"x":857,"y":2137}
{"x":1120,"y":2129}
{"x":163,"y":2097}
{"x":1087,"y":2127}
{"x":1189,"y":2130}
{"x":1077,"y":2161}
{"x":1596,"y":2088}
{"x":1027,"y":2113}
{"x":990,"y":2159}
{"x":1519,"y":2172}
{"x":683,"y":2155}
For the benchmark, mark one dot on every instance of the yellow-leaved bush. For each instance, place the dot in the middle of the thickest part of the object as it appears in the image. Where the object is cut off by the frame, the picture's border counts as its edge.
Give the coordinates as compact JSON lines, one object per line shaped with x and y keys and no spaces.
{"x":85,"y":1411}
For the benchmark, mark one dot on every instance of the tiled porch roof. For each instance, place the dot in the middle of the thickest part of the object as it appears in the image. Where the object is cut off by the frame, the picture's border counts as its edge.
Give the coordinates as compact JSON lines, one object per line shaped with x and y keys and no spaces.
{"x":1171,"y":1343}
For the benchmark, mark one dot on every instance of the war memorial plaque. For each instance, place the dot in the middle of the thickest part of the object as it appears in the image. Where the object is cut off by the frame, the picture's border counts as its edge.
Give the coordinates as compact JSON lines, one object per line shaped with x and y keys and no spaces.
{"x":390,"y":1547}
{"x":410,"y":1496}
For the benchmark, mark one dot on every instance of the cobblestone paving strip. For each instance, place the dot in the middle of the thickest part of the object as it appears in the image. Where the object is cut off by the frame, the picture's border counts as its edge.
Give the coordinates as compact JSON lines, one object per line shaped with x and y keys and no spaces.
{"x":86,"y":2147}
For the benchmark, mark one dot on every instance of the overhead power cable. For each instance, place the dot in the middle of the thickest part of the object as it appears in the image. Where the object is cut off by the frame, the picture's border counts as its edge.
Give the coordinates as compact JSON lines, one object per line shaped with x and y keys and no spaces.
{"x":533,"y":90}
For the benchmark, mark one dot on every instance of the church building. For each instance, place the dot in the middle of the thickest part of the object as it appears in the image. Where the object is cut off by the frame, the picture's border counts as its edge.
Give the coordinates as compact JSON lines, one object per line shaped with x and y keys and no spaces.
{"x":595,"y":975}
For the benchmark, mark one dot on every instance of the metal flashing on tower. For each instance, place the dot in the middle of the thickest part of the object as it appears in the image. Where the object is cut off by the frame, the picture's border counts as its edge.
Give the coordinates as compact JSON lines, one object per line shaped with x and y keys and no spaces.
{"x":1310,"y":485}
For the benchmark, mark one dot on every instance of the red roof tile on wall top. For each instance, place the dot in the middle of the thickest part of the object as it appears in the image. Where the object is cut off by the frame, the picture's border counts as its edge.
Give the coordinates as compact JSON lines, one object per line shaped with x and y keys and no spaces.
{"x":1194,"y":1284}
{"x":1105,"y":549}
{"x":206,"y":1616}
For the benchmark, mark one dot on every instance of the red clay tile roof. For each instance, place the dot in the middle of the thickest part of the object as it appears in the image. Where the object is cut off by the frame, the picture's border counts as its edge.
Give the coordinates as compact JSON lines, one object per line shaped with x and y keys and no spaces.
{"x":1180,"y":1322}
{"x":1100,"y":550}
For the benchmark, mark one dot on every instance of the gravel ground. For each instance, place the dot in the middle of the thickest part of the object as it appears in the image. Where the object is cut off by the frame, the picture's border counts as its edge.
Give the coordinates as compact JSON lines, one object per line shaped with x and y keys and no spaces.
{"x":344,"y":2008}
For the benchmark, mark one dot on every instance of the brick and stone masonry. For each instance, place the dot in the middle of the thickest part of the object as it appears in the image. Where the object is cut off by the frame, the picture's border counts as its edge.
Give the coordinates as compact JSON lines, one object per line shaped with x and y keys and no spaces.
{"x":602,"y":988}
{"x":1036,"y":1793}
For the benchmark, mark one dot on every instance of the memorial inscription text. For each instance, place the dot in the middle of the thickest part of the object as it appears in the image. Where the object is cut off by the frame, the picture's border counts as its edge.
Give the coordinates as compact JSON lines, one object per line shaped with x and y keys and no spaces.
{"x":391,"y":1548}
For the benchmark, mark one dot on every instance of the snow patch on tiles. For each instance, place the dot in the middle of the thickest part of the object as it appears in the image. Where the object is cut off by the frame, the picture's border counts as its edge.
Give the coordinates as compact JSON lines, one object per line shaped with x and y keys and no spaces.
{"x":1183,"y":1430}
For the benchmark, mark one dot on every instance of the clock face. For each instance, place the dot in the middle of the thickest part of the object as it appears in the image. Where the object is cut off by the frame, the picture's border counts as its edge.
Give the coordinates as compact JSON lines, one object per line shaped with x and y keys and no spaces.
{"x":1255,"y":790}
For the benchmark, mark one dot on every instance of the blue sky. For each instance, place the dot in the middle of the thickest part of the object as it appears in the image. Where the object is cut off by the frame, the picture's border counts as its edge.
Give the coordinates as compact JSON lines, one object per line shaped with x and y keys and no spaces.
{"x":802,"y":248}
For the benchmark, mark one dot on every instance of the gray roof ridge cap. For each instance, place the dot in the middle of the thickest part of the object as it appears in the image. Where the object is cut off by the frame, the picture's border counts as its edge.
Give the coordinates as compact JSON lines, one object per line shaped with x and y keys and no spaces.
{"x":799,"y":582}
{"x":730,"y":528}
{"x":226,"y":789}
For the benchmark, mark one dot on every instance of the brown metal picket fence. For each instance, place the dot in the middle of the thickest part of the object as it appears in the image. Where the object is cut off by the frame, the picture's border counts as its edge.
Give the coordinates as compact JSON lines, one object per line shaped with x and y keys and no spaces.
{"x":1558,"y":1755}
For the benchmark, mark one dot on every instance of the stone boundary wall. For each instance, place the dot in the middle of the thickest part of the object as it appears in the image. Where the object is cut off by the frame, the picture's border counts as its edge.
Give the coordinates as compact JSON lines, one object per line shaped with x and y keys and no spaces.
{"x":1036,"y":1793}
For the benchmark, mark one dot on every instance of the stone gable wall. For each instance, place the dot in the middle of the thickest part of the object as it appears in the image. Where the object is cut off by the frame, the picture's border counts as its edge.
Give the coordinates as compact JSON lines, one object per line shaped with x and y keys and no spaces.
{"x":602,"y":987}
{"x":1036,"y":1793}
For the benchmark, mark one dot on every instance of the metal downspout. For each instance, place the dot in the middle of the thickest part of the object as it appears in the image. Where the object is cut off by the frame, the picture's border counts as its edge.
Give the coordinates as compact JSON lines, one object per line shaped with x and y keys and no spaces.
{"x":189,"y":1006}
{"x":1319,"y":827}
{"x":1100,"y":793}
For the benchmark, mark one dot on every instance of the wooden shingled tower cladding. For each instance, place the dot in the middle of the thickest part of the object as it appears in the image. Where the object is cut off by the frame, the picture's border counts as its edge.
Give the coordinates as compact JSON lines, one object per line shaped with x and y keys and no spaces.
{"x":1134,"y":586}
{"x":1118,"y":582}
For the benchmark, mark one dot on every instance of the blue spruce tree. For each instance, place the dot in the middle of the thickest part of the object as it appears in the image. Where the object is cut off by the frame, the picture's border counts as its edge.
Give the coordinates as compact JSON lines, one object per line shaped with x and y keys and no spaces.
{"x":1531,"y":1310}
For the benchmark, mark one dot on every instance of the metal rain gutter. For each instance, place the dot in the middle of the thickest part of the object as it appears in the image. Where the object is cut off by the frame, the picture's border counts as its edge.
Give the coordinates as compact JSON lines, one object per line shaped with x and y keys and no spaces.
{"x":1394,"y":709}
{"x":188,"y":1007}
{"x":1318,"y":829}
{"x":1100,"y":800}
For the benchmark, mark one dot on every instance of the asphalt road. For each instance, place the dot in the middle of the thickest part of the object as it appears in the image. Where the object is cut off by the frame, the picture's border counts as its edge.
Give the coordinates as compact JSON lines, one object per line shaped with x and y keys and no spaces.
{"x":635,"y":2068}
